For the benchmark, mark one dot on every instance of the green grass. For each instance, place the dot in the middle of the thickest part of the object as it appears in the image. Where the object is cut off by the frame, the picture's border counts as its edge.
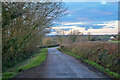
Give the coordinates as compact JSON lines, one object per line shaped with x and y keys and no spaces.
{"x":107,"y":71}
{"x":115,"y":41}
{"x":33,"y":61}
{"x":93,"y":64}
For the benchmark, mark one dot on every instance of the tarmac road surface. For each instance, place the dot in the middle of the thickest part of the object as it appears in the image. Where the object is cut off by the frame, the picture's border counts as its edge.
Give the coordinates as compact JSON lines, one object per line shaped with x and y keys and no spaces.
{"x":59,"y":65}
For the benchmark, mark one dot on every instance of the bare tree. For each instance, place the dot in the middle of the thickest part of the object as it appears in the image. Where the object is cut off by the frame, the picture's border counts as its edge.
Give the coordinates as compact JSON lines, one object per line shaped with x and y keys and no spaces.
{"x":60,"y":35}
{"x":89,"y":36}
{"x":118,"y":36}
{"x":74,"y":34}
{"x":24,"y":24}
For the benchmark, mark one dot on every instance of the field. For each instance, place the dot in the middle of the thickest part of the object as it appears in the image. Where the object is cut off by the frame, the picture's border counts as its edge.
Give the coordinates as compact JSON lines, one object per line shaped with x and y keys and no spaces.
{"x":115,"y":41}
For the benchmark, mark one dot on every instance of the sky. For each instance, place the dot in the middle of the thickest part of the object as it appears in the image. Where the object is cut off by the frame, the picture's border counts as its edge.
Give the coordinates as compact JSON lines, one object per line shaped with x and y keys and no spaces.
{"x":98,"y":18}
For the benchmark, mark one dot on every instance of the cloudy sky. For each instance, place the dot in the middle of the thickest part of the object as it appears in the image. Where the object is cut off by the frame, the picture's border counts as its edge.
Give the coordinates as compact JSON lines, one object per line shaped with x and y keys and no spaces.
{"x":99,"y":18}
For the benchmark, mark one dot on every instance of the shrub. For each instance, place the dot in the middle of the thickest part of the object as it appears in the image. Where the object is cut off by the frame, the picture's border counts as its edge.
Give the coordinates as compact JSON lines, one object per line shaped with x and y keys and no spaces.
{"x":105,"y":54}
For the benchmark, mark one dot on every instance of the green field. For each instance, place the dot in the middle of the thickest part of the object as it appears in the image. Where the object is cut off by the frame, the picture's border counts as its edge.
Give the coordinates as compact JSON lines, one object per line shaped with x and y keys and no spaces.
{"x":115,"y":41}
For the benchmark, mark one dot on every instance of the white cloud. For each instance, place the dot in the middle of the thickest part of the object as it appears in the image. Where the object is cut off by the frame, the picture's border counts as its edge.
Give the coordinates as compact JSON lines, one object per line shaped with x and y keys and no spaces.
{"x":63,"y":27}
{"x":52,"y":33}
{"x":72,"y":23}
{"x":103,"y":2}
{"x":109,"y":27}
{"x":69,"y":15}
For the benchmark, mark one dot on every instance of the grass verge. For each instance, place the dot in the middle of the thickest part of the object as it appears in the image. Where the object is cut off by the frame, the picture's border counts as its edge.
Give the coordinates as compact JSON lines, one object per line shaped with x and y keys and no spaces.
{"x":115,"y":41}
{"x":33,"y":61}
{"x":93,"y":64}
